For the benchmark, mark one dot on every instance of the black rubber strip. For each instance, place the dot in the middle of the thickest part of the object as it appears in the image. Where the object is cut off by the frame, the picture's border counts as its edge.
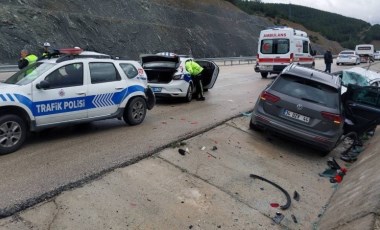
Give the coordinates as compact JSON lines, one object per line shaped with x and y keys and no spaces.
{"x":288,"y":200}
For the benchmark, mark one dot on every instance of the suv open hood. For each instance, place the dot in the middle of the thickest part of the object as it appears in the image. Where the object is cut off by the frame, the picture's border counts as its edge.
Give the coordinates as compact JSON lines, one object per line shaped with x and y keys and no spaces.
{"x":159,"y":62}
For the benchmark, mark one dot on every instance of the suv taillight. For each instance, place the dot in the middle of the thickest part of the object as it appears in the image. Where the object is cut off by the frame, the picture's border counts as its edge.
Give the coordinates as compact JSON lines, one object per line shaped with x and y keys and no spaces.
{"x":336,"y":118}
{"x":291,"y":57}
{"x":257,"y":58}
{"x":265,"y":96}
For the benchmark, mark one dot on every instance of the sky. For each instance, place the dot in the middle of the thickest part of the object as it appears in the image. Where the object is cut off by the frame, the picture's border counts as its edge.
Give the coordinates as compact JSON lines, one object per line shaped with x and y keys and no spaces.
{"x":366,"y":10}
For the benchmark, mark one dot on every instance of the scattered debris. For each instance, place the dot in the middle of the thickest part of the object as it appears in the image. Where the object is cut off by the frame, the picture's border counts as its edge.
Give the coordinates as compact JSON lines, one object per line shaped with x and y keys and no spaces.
{"x":182,"y":152}
{"x":278,"y":217}
{"x":296,"y":196}
{"x":328,"y":173}
{"x":191,"y":226}
{"x":288,"y":200}
{"x":274,"y":205}
{"x":246,"y":114}
{"x":211,"y":155}
{"x":203,"y":148}
{"x":294,"y":219}
{"x":214,"y":148}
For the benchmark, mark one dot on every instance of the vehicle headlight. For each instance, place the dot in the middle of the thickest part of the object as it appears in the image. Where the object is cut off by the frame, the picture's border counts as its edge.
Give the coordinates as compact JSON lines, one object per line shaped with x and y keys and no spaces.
{"x":178,"y":77}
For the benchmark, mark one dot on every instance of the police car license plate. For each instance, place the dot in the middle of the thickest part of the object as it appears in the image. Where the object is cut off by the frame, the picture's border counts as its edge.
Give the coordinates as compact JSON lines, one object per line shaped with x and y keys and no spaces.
{"x":156,"y":89}
{"x":266,"y":67}
{"x":296,"y":116}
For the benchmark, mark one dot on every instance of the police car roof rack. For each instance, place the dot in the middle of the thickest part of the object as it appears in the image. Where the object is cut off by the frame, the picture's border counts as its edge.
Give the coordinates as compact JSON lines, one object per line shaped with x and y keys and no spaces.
{"x":72,"y":57}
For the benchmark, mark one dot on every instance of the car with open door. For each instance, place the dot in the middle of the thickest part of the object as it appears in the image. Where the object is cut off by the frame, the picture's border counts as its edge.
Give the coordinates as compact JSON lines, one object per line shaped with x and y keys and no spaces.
{"x":167,"y":75}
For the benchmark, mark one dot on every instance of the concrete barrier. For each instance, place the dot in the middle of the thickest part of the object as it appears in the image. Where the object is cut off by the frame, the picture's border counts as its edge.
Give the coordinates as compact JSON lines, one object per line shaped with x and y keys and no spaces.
{"x":356,"y":203}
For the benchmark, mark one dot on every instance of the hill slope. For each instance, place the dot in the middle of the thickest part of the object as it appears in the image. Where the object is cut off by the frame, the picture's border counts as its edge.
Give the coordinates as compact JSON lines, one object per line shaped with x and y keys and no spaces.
{"x":209,"y":28}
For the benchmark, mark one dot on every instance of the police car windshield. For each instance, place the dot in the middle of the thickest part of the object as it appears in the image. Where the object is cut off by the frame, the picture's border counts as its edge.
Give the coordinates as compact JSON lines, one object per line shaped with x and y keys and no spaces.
{"x":29,"y":74}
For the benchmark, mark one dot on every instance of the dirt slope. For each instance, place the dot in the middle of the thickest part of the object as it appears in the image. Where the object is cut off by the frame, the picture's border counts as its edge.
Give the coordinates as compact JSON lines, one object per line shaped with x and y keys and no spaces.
{"x":210,"y":28}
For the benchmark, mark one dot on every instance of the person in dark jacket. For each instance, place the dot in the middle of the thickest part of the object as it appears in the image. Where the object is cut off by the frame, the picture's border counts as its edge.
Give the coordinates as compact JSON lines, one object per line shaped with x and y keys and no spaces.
{"x":26,"y":59}
{"x":328,"y":60}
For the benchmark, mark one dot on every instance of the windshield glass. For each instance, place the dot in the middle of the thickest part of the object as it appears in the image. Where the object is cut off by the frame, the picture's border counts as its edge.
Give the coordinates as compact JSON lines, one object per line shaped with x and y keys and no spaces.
{"x":29,"y":73}
{"x":354,"y":78}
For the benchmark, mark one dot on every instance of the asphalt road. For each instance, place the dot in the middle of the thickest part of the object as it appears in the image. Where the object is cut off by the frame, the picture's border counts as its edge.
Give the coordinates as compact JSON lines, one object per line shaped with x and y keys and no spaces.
{"x":62,"y":158}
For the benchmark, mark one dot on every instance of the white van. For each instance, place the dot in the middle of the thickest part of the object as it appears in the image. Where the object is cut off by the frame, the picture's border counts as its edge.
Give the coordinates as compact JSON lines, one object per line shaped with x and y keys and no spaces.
{"x":281,"y":46}
{"x":365,"y":52}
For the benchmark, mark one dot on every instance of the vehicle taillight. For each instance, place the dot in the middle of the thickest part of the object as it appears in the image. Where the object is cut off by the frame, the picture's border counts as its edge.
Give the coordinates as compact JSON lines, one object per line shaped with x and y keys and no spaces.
{"x":336,"y":118}
{"x":291,"y":57}
{"x":257,"y":58}
{"x":265,"y":96}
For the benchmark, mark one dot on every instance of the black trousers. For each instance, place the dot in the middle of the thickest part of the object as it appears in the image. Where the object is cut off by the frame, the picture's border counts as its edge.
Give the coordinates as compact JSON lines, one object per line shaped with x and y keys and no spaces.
{"x":198,"y":86}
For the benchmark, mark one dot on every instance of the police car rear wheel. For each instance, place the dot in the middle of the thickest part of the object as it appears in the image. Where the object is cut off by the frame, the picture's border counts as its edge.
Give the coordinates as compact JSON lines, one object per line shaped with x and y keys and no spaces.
{"x":189,"y":94}
{"x":12,"y":133}
{"x":135,"y":112}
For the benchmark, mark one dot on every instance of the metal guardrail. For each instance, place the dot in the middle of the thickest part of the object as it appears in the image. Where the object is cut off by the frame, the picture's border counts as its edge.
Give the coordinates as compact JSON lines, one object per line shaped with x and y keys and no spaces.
{"x":221,"y":61}
{"x":8,"y":68}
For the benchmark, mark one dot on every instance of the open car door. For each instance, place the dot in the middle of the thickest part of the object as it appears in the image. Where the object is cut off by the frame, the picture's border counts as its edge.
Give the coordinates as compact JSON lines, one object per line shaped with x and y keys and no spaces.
{"x":210,"y":73}
{"x":363,"y":104}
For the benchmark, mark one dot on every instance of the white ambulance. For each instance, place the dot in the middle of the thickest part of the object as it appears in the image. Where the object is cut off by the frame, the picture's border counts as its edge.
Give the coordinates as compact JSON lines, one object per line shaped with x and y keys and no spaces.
{"x":281,"y":46}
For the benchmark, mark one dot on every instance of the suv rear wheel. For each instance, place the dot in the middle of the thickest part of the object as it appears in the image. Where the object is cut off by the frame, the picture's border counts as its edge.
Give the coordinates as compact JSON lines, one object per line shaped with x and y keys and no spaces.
{"x":12,"y":133}
{"x":135,"y":111}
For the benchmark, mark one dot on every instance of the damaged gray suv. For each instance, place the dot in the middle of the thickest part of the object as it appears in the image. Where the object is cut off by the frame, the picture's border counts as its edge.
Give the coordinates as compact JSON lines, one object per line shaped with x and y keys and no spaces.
{"x":303,"y":104}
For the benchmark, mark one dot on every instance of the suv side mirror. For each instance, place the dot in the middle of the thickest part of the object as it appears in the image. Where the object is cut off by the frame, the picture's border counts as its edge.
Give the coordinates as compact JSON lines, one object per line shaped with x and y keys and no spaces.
{"x":43,"y":85}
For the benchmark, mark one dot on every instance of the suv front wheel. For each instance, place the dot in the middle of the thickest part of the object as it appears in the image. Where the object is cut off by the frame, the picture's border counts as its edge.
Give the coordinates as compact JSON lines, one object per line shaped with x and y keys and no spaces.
{"x":135,"y":111}
{"x":12,"y":133}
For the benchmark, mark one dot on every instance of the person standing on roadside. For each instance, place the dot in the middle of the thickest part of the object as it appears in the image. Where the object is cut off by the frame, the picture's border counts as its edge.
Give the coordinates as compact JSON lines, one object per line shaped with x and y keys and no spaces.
{"x":195,"y":71}
{"x":328,"y":60}
{"x":45,"y":53}
{"x":26,"y":59}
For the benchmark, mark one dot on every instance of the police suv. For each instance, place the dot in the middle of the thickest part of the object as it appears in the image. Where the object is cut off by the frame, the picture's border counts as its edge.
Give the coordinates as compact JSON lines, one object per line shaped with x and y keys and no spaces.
{"x":72,"y":88}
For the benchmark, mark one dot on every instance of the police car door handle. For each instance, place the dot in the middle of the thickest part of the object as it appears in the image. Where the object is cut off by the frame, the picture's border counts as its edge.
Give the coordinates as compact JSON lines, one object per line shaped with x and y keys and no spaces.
{"x":119,"y":88}
{"x":81,"y":93}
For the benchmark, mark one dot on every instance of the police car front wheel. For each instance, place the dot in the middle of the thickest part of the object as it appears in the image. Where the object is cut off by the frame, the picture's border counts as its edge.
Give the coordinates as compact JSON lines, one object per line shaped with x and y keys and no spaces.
{"x":12,"y":133}
{"x":135,"y":111}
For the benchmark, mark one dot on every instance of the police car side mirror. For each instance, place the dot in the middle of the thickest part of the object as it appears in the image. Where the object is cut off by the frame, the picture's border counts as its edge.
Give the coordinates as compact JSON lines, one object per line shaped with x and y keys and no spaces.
{"x":43,"y":85}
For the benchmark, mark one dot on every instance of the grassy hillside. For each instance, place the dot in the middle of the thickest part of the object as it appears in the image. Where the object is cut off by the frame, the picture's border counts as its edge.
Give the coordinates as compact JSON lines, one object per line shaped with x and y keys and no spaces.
{"x":345,"y":30}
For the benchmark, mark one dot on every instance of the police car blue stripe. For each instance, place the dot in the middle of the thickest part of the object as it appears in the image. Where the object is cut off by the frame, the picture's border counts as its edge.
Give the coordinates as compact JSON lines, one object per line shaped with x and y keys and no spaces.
{"x":10,"y":97}
{"x":49,"y":107}
{"x":2,"y":97}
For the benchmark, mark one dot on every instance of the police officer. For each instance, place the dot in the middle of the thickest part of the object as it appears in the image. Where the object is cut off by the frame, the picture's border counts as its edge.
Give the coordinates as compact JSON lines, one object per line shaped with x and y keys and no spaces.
{"x":45,"y":53}
{"x":26,"y":59}
{"x":195,"y":71}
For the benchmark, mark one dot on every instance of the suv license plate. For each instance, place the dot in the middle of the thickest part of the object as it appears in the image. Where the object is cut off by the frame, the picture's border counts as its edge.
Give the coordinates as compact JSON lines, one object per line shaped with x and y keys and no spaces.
{"x":156,"y":89}
{"x":296,"y":116}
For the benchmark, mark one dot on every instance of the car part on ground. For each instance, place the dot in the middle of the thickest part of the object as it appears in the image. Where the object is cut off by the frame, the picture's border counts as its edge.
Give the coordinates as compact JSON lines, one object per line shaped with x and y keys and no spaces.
{"x":288,"y":199}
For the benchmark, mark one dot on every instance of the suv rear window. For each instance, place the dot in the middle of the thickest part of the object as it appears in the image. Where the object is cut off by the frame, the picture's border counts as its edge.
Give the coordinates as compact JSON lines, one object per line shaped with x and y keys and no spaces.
{"x":274,"y":46}
{"x":346,"y":53}
{"x":308,"y":90}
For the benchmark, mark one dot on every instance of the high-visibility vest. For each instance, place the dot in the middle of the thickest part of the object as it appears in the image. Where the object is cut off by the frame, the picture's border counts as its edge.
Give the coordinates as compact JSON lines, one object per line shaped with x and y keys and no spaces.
{"x":31,"y":58}
{"x":193,"y":68}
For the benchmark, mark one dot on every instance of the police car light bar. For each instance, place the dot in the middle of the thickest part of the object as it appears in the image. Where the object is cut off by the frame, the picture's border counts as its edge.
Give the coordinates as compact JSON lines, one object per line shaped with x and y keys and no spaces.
{"x":71,"y":51}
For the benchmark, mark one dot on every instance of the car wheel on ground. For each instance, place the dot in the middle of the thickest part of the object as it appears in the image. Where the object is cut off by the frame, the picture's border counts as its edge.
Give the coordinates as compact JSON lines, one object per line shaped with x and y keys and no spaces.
{"x":135,"y":111}
{"x":189,"y":95}
{"x":264,"y":75}
{"x":12,"y":133}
